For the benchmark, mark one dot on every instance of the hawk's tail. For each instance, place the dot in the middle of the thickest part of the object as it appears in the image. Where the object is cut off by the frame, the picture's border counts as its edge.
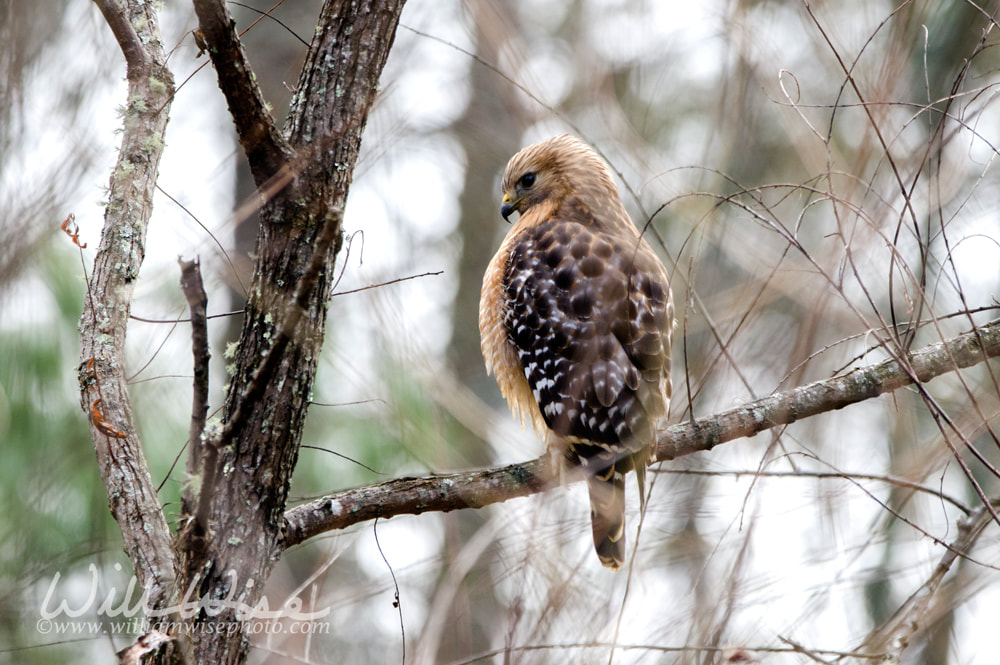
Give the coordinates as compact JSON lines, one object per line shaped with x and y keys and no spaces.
{"x":607,"y":514}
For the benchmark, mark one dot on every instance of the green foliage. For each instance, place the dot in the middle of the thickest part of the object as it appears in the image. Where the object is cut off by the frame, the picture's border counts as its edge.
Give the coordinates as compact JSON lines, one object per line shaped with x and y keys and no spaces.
{"x":52,"y":504}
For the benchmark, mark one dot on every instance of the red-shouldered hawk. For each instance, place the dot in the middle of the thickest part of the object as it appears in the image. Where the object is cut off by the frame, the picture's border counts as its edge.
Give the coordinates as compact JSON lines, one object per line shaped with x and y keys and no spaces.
{"x":576,"y":319}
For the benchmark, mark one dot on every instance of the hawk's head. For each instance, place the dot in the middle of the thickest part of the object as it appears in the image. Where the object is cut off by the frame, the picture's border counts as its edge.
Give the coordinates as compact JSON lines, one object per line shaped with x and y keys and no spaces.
{"x":552,"y":170}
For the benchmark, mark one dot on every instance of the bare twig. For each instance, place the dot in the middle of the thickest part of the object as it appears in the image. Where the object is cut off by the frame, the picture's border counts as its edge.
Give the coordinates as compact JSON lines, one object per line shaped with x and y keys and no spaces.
{"x":808,"y":653}
{"x":845,"y":475}
{"x":225,"y":254}
{"x":194,"y":292}
{"x":202,"y":455}
{"x":210,"y":316}
{"x":656,"y":648}
{"x":267,"y":14}
{"x":475,"y":489}
{"x":396,"y":601}
{"x":391,"y":281}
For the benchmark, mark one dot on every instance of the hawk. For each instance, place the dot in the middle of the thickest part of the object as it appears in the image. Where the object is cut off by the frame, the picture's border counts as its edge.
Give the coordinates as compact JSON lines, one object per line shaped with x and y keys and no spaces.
{"x":576,"y":319}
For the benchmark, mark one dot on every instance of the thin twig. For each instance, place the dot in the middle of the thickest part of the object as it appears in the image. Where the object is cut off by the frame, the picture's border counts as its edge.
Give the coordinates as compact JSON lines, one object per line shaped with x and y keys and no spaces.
{"x":210,"y":316}
{"x":342,"y":456}
{"x":844,"y":475}
{"x":396,"y":601}
{"x":391,"y":281}
{"x":225,"y":254}
{"x":267,"y":14}
{"x":652,"y":648}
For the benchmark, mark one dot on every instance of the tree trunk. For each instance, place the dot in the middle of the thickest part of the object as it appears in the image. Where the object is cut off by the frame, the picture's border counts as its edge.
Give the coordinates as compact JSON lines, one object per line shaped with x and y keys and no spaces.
{"x":231,"y":556}
{"x":233,"y":510}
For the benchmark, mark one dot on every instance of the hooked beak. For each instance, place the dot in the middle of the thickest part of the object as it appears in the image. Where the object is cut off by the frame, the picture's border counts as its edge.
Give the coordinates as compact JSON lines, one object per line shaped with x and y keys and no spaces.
{"x":507,"y":208}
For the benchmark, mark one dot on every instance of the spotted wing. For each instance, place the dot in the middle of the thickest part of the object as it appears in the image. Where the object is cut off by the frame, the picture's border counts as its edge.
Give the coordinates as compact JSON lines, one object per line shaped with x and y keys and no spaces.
{"x":589,"y":314}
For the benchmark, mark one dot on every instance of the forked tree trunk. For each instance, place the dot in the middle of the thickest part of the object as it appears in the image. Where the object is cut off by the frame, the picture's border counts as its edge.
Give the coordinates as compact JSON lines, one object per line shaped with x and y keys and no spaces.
{"x":232,"y":515}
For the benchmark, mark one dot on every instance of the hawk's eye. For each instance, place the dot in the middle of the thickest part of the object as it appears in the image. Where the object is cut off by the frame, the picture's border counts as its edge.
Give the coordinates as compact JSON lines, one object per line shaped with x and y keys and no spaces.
{"x":527,"y":180}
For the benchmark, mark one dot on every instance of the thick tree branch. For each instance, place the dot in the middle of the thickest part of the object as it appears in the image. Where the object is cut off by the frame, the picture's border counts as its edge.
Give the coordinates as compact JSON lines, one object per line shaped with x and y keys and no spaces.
{"x":408,"y":496}
{"x":266,"y":150}
{"x":412,"y":496}
{"x":103,"y":390}
{"x":285,"y":315}
{"x":293,"y":314}
{"x":117,"y":17}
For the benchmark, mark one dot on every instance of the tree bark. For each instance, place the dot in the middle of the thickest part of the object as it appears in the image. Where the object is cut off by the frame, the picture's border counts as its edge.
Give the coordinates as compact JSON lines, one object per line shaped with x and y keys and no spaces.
{"x":231,"y":533}
{"x":103,"y":390}
{"x":303,"y":175}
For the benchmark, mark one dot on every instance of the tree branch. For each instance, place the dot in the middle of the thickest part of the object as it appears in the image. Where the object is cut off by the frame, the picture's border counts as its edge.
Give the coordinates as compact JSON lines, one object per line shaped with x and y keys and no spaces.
{"x":202,"y":455}
{"x":194,"y":293}
{"x":285,"y":315}
{"x":116,"y":16}
{"x":412,"y":496}
{"x":103,"y":390}
{"x":474,"y":489}
{"x":861,"y":384}
{"x":266,"y":150}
